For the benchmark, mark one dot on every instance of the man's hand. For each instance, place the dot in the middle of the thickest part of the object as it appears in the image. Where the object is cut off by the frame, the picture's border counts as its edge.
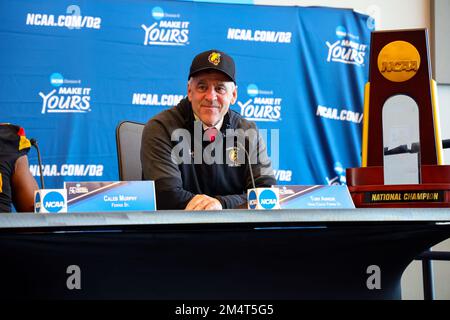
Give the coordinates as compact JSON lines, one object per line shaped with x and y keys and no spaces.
{"x":203,"y":202}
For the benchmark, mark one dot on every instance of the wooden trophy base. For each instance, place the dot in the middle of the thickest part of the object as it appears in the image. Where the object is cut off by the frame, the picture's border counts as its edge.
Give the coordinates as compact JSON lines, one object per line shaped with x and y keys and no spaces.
{"x":368,"y":190}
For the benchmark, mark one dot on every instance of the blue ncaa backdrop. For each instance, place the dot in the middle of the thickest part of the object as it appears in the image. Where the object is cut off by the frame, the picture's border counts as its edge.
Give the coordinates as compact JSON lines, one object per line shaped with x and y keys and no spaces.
{"x":70,"y":71}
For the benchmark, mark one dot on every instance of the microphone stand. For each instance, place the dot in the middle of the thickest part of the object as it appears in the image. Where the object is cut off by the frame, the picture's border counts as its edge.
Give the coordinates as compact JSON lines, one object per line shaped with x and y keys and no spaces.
{"x":35,"y":145}
{"x":249,"y":164}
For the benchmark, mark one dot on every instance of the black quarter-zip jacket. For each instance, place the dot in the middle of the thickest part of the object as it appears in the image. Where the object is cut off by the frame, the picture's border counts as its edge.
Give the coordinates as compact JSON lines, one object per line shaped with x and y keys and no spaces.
{"x":177,"y":182}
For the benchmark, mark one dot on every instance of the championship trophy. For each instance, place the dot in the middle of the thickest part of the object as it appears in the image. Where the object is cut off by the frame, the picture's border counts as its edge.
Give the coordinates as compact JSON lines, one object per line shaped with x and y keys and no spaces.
{"x":400,"y":79}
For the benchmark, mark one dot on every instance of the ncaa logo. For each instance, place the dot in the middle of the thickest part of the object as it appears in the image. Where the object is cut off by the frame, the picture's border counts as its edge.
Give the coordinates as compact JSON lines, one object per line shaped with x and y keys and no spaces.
{"x":157,"y":13}
{"x":252,"y":201}
{"x":341,"y":32}
{"x":56,"y":79}
{"x":53,"y":202}
{"x":268,"y":199}
{"x":252,"y":90}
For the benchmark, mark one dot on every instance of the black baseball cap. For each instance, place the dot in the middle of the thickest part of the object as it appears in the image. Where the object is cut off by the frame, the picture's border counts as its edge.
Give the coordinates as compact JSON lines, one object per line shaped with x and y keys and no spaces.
{"x":213,"y":60}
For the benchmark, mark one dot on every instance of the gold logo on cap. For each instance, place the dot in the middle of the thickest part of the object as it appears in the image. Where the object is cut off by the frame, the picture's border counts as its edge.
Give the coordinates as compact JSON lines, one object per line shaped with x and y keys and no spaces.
{"x":233,"y":155}
{"x":398,"y":61}
{"x":214,"y":58}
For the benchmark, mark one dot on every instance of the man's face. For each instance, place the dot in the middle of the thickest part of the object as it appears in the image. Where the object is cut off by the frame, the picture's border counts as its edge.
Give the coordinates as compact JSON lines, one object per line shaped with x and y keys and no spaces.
{"x":211,"y":94}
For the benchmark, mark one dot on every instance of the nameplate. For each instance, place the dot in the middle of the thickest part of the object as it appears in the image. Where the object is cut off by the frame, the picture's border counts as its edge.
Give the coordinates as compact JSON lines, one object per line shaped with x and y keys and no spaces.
{"x":110,"y":196}
{"x":404,"y":196}
{"x":315,"y":197}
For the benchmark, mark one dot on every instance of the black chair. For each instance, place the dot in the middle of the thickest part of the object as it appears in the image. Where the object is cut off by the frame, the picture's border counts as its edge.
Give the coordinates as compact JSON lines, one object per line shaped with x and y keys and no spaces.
{"x":427,"y":256}
{"x":128,"y":141}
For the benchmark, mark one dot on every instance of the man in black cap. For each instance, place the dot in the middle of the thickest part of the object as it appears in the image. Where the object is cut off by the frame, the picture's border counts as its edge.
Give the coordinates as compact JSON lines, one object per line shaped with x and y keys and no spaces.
{"x":203,"y":185}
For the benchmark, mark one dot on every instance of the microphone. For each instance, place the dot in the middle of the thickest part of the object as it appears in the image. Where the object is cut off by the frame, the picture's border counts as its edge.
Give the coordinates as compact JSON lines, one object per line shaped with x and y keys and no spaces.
{"x":233,"y":135}
{"x":259,"y":198}
{"x":35,"y":144}
{"x":249,"y":164}
{"x":48,"y":200}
